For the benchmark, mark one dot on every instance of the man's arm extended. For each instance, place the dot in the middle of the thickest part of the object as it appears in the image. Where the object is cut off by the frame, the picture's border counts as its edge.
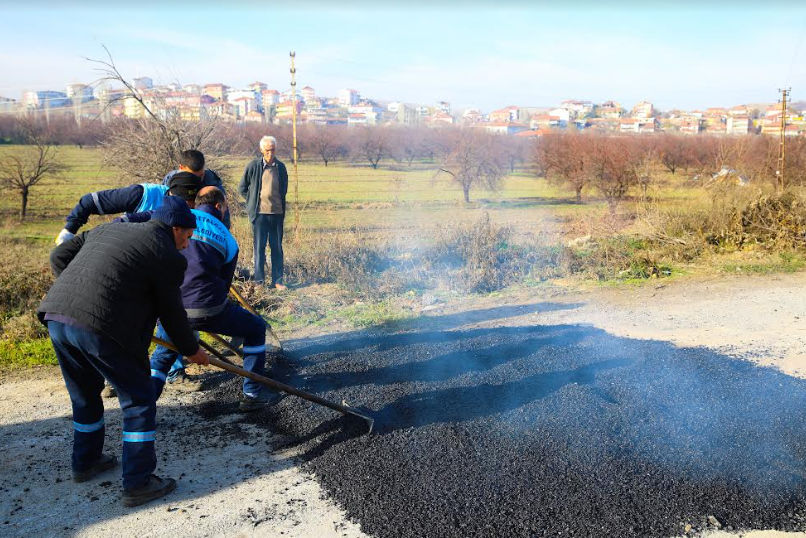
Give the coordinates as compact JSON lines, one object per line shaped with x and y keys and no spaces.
{"x":108,"y":202}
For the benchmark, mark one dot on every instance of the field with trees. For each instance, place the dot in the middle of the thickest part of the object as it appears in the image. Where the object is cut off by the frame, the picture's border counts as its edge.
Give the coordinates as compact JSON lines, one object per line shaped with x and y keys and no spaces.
{"x":393,"y":218}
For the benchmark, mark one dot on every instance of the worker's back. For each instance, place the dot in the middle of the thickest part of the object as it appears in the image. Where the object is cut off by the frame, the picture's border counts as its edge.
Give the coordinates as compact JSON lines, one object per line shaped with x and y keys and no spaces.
{"x":110,"y":280}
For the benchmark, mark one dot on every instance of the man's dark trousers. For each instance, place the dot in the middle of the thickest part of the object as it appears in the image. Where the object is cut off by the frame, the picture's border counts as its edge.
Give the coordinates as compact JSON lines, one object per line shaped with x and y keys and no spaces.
{"x":233,"y":321}
{"x":86,"y":358}
{"x":268,"y":227}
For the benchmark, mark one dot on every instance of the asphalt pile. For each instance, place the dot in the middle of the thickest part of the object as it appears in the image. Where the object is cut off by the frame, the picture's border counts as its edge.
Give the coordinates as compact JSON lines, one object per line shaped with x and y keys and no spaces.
{"x":542,"y":431}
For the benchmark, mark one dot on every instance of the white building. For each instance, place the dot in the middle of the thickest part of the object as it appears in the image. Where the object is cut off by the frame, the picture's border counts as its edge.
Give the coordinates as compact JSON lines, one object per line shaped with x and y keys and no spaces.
{"x":562,"y":114}
{"x":44,"y":99}
{"x":738,"y":125}
{"x":308,"y":94}
{"x":143,"y":83}
{"x":270,"y":97}
{"x":235,"y":95}
{"x":348,"y":97}
{"x":644,"y":109}
{"x":577,"y":108}
{"x":80,"y":93}
{"x":366,"y":107}
{"x":394,"y":106}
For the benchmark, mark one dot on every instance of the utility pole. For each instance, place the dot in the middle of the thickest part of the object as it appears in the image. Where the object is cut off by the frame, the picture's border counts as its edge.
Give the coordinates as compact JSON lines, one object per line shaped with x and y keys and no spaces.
{"x":782,"y":149}
{"x":294,"y":145}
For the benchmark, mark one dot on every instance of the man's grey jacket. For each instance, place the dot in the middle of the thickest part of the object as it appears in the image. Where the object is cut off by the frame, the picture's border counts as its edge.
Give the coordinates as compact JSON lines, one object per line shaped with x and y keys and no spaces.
{"x":251,"y":183}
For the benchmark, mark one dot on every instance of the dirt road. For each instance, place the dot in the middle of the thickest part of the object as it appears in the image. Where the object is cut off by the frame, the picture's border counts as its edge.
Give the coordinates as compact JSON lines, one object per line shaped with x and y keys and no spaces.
{"x":231,"y":483}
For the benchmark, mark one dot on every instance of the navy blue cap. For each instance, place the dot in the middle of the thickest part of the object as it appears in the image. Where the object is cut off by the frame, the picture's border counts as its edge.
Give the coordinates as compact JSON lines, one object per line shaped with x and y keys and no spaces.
{"x":175,"y":212}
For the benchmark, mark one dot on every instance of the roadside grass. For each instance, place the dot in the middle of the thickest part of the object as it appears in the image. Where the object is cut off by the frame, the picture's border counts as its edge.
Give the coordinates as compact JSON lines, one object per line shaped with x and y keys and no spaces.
{"x":374,"y":314}
{"x":38,"y":351}
{"x":769,"y":263}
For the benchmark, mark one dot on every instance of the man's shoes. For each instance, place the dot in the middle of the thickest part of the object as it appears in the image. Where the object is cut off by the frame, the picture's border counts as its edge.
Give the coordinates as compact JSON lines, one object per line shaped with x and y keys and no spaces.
{"x":109,"y":391}
{"x":104,"y":463}
{"x":250,"y":403}
{"x":184,"y":383}
{"x":155,"y":488}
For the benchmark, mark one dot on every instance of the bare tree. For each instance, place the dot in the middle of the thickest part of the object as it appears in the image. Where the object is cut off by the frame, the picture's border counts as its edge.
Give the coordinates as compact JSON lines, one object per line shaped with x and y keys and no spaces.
{"x":145,"y":149}
{"x":372,"y":144}
{"x":644,"y":165}
{"x":613,"y":167}
{"x":468,"y":159}
{"x":564,"y":159}
{"x":408,"y":144}
{"x":673,"y":151}
{"x":30,"y":164}
{"x":511,"y":150}
{"x":327,"y":143}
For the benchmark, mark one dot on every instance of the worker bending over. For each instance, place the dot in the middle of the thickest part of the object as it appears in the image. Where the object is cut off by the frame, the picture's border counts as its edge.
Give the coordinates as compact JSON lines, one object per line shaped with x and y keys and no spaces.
{"x":112,"y":283}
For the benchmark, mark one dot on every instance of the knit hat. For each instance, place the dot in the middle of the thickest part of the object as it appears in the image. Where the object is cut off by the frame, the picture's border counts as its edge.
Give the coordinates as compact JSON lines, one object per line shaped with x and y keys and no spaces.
{"x":184,"y":185}
{"x":175,"y":212}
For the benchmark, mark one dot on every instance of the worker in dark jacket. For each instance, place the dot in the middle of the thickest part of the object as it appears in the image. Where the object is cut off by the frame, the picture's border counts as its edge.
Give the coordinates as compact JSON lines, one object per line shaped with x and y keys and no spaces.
{"x":264,"y":187}
{"x":131,"y":199}
{"x":212,"y":257}
{"x":192,"y":161}
{"x":112,"y":284}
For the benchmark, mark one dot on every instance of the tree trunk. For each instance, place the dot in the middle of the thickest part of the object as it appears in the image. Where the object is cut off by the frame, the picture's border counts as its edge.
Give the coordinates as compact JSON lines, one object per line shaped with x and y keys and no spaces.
{"x":466,"y":192}
{"x":24,"y":207}
{"x":579,"y":194}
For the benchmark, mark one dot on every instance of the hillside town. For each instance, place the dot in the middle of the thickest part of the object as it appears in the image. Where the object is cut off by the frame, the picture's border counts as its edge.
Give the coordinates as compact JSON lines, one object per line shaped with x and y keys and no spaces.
{"x":257,"y":103}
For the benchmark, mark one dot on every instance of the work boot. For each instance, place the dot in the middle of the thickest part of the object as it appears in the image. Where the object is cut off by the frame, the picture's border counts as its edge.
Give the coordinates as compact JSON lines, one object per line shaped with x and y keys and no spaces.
{"x":250,"y":403}
{"x":184,"y":383}
{"x":155,"y":488}
{"x":109,"y":391}
{"x":104,"y":463}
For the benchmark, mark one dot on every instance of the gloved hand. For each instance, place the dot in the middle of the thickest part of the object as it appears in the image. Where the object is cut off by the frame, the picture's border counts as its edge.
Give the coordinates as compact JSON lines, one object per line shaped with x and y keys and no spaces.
{"x":63,"y":236}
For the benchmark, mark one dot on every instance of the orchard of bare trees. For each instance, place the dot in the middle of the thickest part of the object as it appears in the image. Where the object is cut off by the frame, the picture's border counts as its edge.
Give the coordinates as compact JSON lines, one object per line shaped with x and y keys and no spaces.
{"x":613,"y":166}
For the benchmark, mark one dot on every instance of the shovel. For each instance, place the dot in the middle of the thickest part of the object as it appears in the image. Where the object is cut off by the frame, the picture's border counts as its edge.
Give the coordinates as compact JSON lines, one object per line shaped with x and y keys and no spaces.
{"x":219,"y":361}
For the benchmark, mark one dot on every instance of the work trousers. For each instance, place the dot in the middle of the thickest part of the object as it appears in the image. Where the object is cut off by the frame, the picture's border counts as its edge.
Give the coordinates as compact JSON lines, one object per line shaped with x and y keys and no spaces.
{"x":268,"y":227}
{"x":232,"y":321}
{"x":86,"y":359}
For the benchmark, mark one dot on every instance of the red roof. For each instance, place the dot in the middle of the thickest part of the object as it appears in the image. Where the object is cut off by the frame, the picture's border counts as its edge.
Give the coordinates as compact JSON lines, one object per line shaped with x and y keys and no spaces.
{"x":529,"y":134}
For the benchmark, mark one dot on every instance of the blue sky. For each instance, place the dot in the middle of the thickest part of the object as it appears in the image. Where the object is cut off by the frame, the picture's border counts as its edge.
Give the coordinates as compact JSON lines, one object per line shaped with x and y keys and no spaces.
{"x":485,"y":55}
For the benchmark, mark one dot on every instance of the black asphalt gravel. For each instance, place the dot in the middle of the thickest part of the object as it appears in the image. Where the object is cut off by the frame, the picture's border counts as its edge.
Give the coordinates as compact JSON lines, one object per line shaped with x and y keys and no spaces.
{"x":543,"y":431}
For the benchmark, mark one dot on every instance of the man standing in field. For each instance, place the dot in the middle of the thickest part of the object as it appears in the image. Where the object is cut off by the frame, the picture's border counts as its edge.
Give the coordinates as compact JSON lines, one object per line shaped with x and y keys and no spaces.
{"x":112,"y":284}
{"x":264,"y":187}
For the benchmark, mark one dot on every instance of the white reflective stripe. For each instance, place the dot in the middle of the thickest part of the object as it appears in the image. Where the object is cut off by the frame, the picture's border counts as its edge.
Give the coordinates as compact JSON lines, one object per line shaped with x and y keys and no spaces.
{"x":158,"y":374}
{"x":138,"y":437}
{"x":254,"y":349}
{"x":88,"y":428}
{"x":97,"y":203}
